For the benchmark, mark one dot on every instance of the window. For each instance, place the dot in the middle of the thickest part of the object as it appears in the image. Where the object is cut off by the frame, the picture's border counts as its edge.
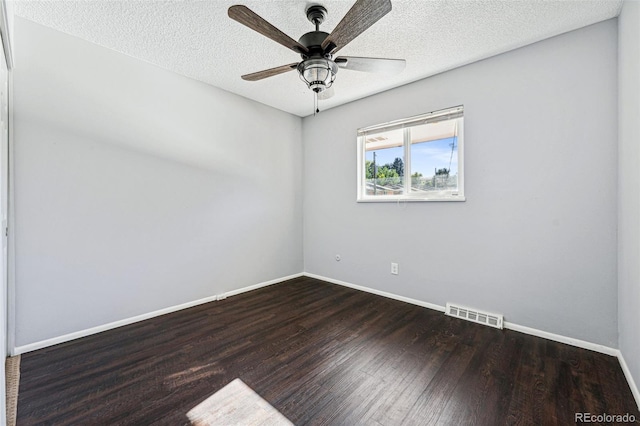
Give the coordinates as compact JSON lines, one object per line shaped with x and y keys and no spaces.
{"x":415,"y":159}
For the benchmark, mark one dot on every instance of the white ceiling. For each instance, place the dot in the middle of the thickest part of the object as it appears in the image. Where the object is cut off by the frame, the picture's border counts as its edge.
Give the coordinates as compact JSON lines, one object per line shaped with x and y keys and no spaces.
{"x":197,"y":39}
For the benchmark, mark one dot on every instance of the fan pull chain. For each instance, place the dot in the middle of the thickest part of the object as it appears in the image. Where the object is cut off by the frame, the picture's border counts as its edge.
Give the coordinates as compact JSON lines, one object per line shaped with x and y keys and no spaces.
{"x":315,"y":103}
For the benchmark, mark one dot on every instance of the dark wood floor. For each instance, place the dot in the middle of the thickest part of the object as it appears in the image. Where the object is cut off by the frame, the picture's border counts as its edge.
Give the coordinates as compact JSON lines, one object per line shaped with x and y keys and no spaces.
{"x":320,"y":354}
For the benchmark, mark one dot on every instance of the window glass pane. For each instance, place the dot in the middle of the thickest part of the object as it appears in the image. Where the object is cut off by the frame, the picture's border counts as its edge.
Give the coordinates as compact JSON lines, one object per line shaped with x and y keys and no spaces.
{"x":434,"y":157}
{"x":384,"y":163}
{"x":418,"y":158}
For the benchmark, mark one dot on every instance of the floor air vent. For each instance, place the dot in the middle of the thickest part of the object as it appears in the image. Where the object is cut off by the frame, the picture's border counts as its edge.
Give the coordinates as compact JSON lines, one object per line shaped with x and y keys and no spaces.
{"x":492,"y":320}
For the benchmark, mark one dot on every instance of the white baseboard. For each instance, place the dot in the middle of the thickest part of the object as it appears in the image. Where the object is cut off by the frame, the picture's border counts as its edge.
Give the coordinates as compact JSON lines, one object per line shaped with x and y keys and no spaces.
{"x":630,"y":380}
{"x":562,"y":339}
{"x":511,"y":326}
{"x":378,"y":292}
{"x":94,"y":330}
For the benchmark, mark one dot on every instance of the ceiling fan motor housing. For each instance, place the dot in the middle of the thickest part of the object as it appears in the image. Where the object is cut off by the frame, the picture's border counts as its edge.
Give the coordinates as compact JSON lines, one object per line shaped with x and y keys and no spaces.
{"x":313,"y":41}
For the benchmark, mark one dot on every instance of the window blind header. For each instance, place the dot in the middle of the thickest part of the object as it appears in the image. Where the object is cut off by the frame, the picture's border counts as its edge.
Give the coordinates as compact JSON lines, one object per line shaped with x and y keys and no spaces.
{"x":431,"y":117}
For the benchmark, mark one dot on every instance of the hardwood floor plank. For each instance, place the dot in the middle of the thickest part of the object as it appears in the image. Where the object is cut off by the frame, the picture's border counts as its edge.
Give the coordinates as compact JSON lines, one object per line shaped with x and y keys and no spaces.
{"x":435,"y":396}
{"x":478,"y":387}
{"x":320,"y":354}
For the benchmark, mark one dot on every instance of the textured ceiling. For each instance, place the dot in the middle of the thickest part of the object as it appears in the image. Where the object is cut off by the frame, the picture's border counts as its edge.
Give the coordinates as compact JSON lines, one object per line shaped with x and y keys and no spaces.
{"x":198,"y":40}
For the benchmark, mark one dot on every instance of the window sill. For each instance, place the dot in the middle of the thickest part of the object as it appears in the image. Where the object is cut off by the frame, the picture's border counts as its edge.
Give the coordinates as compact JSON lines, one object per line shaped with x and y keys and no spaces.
{"x":408,"y":199}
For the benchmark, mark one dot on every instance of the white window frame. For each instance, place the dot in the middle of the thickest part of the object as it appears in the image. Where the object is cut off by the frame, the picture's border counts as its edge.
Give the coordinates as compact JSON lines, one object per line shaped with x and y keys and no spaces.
{"x":432,"y":117}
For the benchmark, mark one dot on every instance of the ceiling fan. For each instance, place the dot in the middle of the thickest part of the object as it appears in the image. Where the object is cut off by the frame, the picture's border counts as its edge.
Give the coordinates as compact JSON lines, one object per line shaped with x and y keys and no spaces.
{"x":319,"y":67}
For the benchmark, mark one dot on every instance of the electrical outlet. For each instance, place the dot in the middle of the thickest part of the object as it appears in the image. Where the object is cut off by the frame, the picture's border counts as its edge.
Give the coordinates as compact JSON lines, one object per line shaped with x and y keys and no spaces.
{"x":394,"y":268}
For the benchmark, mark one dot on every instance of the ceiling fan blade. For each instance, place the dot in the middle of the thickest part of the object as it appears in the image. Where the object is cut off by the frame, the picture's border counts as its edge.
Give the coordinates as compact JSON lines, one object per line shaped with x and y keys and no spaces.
{"x":381,"y":65}
{"x":362,"y":15}
{"x":247,"y":17}
{"x":270,"y":72}
{"x":326,"y":94}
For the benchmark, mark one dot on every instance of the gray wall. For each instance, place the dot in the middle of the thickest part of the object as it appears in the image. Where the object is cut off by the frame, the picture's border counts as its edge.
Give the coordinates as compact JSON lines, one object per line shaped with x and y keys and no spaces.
{"x":137,"y":189}
{"x":629,"y":188}
{"x":536,"y":238}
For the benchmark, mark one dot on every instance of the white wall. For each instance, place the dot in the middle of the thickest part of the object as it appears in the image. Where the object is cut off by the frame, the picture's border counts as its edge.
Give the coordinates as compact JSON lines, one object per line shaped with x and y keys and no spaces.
{"x":536,"y":238}
{"x":137,"y":189}
{"x":629,"y":188}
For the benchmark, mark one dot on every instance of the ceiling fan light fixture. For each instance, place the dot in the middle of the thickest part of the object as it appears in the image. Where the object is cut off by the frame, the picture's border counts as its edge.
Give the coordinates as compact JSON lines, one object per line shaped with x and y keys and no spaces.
{"x":318,"y":73}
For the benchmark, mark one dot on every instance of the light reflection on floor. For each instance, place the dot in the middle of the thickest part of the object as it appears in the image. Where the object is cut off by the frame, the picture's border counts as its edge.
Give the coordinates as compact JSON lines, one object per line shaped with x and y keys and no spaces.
{"x":236,"y":404}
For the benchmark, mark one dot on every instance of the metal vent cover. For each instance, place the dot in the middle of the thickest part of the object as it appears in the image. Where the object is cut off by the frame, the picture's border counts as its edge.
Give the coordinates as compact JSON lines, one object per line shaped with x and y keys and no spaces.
{"x":474,"y":315}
